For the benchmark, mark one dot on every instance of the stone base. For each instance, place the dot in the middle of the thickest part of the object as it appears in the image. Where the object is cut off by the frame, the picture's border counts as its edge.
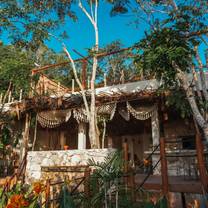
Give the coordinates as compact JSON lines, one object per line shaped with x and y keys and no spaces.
{"x":39,"y":159}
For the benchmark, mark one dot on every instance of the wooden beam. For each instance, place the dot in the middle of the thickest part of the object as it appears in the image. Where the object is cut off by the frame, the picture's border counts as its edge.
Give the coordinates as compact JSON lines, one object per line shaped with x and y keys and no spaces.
{"x":39,"y":69}
{"x":164,"y":169}
{"x":201,"y":162}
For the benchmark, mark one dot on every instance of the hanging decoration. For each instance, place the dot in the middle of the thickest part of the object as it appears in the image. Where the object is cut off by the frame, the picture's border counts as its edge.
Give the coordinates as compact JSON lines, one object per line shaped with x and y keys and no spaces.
{"x":104,"y":112}
{"x":141,"y":113}
{"x":53,"y":119}
{"x":124,"y":113}
{"x":80,"y":115}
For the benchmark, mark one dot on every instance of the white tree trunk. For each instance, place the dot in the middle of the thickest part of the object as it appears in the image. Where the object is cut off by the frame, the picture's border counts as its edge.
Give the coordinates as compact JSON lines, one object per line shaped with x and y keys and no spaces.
{"x":192,"y":101}
{"x":90,"y":108}
{"x":202,"y":75}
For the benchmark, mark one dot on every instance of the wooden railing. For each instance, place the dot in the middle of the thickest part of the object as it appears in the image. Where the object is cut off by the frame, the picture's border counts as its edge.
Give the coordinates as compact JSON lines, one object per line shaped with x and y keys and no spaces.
{"x":50,"y":198}
{"x":15,"y":178}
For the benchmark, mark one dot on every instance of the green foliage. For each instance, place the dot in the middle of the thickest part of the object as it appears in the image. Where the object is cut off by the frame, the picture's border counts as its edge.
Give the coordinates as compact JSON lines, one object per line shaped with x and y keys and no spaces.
{"x":172,"y":42}
{"x":116,"y":64}
{"x":28,"y":22}
{"x":159,"y":50}
{"x":5,"y":135}
{"x":13,"y":62}
{"x":177,"y":99}
{"x":20,"y":196}
{"x":106,"y":182}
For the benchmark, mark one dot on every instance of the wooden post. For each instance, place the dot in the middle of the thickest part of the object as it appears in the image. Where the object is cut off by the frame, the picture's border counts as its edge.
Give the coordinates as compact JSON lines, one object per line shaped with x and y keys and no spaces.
{"x":86,"y":182}
{"x":20,"y":96}
{"x":125,"y":149}
{"x":164,"y":170}
{"x":72,"y":85}
{"x":58,"y":88}
{"x":201,"y":162}
{"x":82,"y":128}
{"x":1,"y":98}
{"x":47,"y":193}
{"x":88,"y":82}
{"x":132,"y":185}
{"x":26,"y":135}
{"x":105,"y":80}
{"x":9,"y":97}
{"x":183,"y":199}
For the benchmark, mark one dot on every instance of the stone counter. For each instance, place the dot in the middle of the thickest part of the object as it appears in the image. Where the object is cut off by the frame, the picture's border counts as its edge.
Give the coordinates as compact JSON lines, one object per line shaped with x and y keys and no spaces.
{"x":38,"y":159}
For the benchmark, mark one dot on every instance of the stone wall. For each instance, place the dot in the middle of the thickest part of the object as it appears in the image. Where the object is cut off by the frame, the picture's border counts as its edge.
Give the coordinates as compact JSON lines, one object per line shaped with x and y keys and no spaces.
{"x":39,"y":159}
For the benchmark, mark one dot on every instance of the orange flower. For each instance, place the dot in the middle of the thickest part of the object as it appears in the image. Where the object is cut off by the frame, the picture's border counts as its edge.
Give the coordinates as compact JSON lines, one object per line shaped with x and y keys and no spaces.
{"x":17,"y":201}
{"x":11,"y":206}
{"x":146,"y":162}
{"x":24,"y":203}
{"x":16,"y":198}
{"x":37,"y":188}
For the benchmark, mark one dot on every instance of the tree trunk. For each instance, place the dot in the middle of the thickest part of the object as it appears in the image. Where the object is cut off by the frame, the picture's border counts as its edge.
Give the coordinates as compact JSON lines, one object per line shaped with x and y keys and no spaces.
{"x":192,"y":101}
{"x":202,"y":76}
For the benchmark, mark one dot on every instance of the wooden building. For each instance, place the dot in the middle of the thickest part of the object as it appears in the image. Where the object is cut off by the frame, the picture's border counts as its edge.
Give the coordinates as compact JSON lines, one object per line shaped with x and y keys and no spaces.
{"x":136,"y":118}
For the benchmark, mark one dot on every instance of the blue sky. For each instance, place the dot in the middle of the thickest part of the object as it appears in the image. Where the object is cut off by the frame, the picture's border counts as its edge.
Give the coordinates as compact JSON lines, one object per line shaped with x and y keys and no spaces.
{"x":81,"y":33}
{"x":120,"y":27}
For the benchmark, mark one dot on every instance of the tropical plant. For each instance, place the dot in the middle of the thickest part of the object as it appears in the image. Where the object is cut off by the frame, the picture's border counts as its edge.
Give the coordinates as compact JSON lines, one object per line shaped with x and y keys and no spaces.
{"x":22,"y":196}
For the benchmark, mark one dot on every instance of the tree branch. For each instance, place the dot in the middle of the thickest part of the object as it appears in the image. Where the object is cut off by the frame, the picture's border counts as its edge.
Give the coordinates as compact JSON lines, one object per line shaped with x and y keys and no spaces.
{"x":91,"y":9}
{"x":86,"y":13}
{"x":202,"y":75}
{"x":173,"y":4}
{"x":78,"y":81}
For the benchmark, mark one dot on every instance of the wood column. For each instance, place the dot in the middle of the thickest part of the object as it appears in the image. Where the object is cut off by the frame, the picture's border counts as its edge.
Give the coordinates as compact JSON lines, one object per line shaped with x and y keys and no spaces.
{"x":47,"y":193}
{"x":82,"y":135}
{"x":86,"y":181}
{"x":201,"y":162}
{"x":26,"y":135}
{"x":125,"y":155}
{"x":131,"y":149}
{"x":164,"y":169}
{"x":62,"y":139}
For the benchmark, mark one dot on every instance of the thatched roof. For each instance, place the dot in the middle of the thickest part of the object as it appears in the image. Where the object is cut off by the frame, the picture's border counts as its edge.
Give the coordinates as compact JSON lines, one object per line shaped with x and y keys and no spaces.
{"x":139,"y":90}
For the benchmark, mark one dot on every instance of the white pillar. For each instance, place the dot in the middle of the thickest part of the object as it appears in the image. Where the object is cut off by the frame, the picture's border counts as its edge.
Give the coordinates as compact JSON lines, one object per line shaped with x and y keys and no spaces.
{"x":82,"y":135}
{"x":155,"y":129}
{"x":155,"y":139}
